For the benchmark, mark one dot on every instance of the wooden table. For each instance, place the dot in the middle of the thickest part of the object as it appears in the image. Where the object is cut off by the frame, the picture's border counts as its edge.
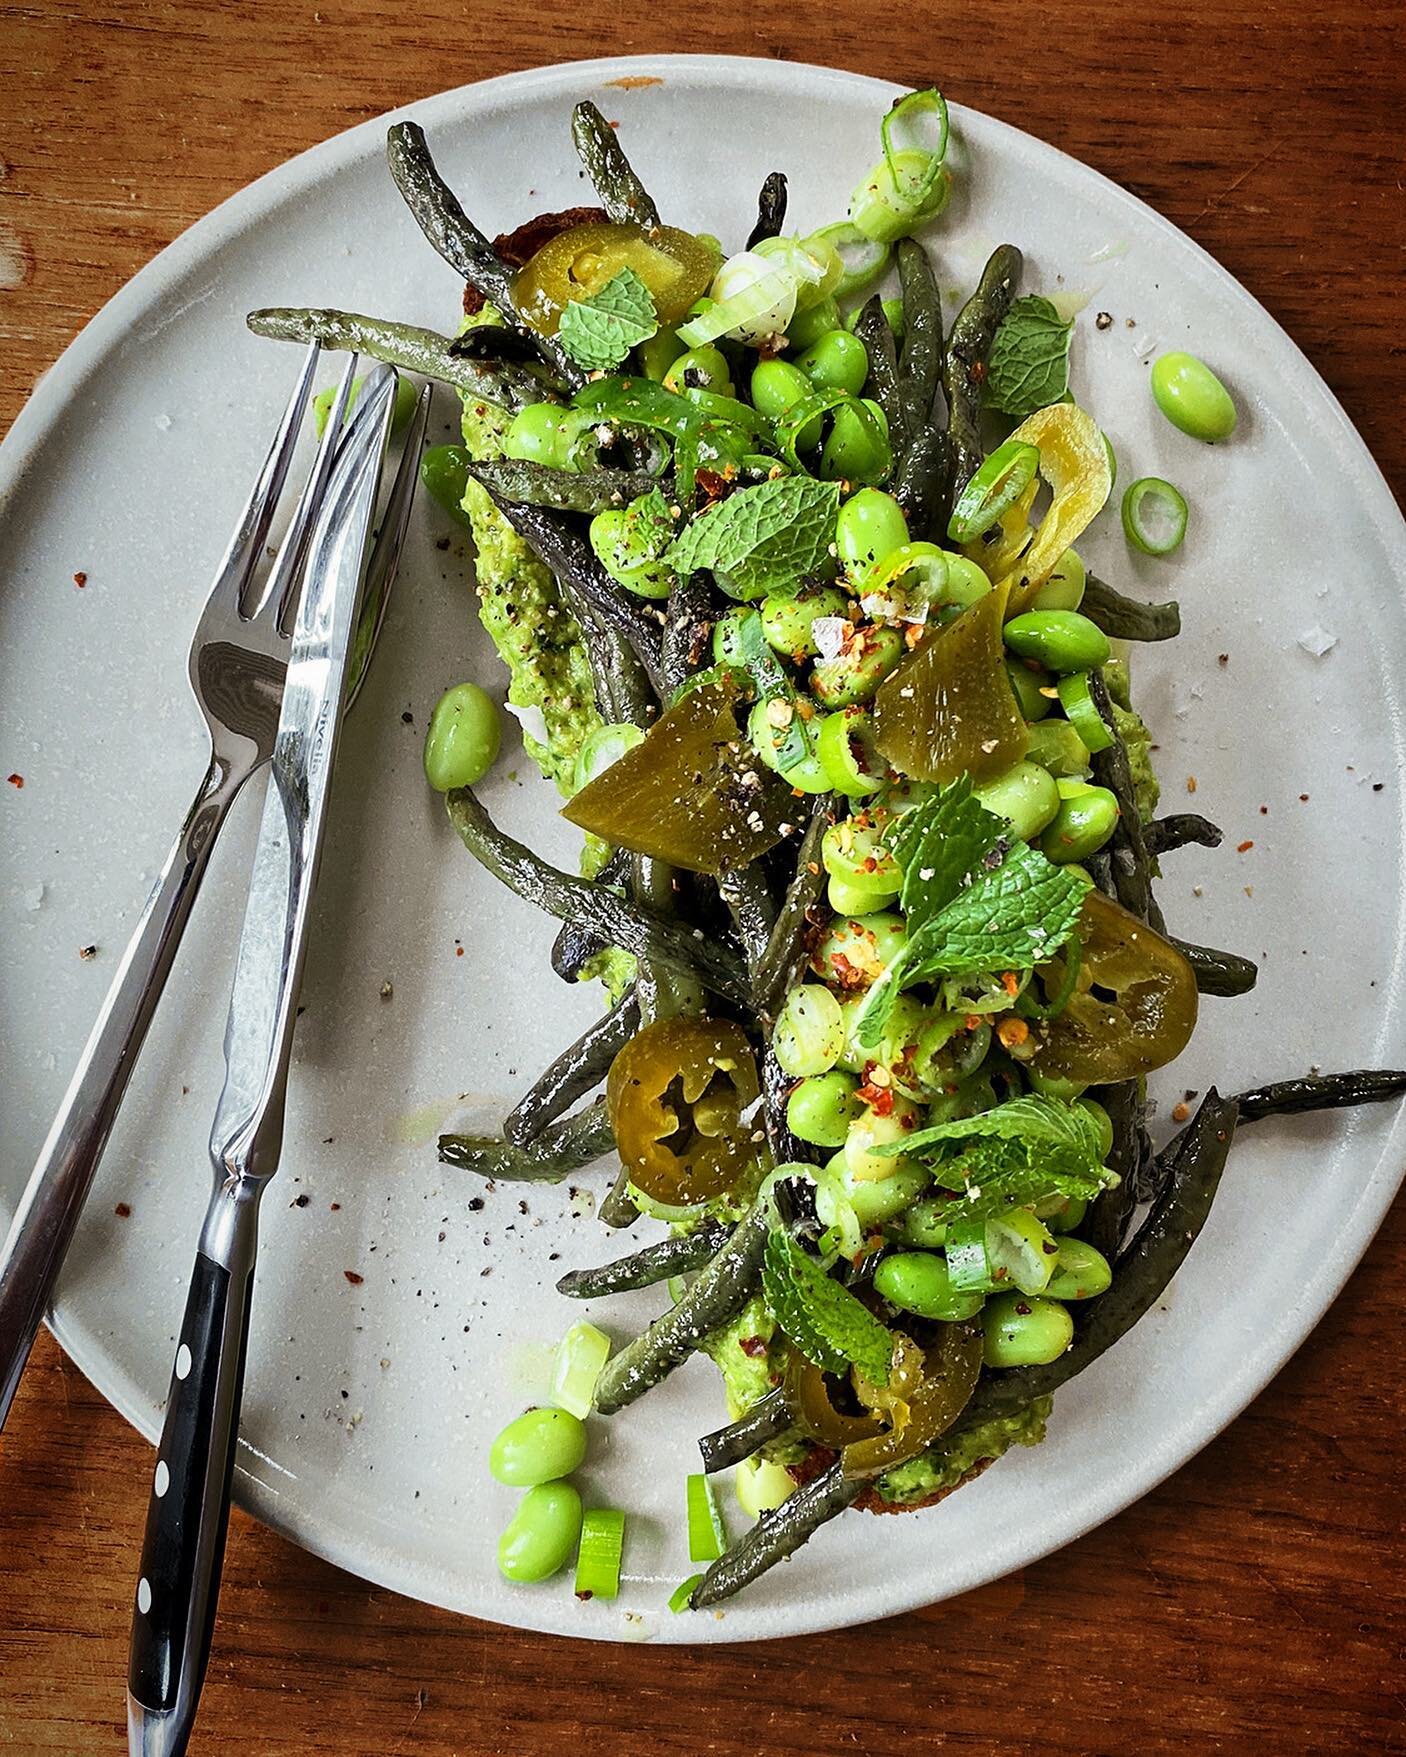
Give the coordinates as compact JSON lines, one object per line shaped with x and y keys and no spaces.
{"x":1256,"y":1601}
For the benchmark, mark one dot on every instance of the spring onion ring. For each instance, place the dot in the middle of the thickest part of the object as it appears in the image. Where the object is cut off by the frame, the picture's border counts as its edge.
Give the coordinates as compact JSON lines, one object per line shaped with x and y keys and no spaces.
{"x":1164,"y":532}
{"x":997,"y":485}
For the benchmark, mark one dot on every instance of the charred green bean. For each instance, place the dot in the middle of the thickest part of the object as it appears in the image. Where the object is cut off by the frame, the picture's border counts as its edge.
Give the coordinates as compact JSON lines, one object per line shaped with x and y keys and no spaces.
{"x":568,"y":1145}
{"x":622,"y":195}
{"x":647,"y":1267}
{"x":579,"y":1068}
{"x":964,"y":361}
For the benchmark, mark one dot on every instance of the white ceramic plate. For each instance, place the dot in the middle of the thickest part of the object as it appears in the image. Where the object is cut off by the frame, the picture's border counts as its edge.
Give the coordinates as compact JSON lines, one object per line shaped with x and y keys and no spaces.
{"x":370,"y":1404}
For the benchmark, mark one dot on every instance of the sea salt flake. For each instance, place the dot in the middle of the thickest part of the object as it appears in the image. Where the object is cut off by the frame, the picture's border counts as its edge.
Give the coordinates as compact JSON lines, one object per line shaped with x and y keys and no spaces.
{"x":829,"y":634}
{"x":1317,"y":640}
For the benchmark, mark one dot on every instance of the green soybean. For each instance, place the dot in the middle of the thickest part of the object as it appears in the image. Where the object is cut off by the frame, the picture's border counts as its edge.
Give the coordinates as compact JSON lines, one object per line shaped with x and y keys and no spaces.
{"x":658,"y":353}
{"x":444,"y":470}
{"x":854,"y":674}
{"x":1092,"y":1108}
{"x":872,"y":1199}
{"x":857,"y":450}
{"x":461,"y":744}
{"x":815,"y":321}
{"x":1024,"y":1330}
{"x":1027,"y":680}
{"x":919,"y":1282}
{"x":1081,"y":826}
{"x":614,"y":536}
{"x":777,"y":386}
{"x":808,"y":774}
{"x":700,"y":369}
{"x":1025,"y":795}
{"x":1063,"y":640}
{"x":868,"y":943}
{"x":837,"y":361}
{"x":857,"y":896}
{"x":1064,"y":589}
{"x":1192,"y":398}
{"x":809,"y":1033}
{"x":1081,"y":1272}
{"x":821,"y":1109}
{"x":869,"y":526}
{"x":730,"y":636}
{"x":406,"y":397}
{"x":925,"y":1223}
{"x":1056,"y":746}
{"x":858,"y":854}
{"x":788,"y":618}
{"x":966,"y":580}
{"x":538,"y":1446}
{"x":541,"y":1536}
{"x":539,"y":433}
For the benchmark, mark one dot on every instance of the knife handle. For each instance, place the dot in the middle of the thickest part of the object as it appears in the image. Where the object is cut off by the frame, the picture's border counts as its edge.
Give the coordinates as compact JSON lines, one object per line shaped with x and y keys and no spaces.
{"x":47,"y":1214}
{"x":188,"y":1514}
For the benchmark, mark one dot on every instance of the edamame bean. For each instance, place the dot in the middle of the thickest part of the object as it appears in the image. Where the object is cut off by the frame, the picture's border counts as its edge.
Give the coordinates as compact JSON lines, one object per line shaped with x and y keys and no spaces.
{"x":873,"y":1201}
{"x":444,"y":472}
{"x":855,"y":673}
{"x":1025,"y":795}
{"x":777,"y":386}
{"x":810,"y":1032}
{"x":925,"y":1223}
{"x":857,"y":449}
{"x":1191,"y":397}
{"x":873,"y":1129}
{"x":1024,"y":1330}
{"x":1055,"y":1086}
{"x":858,"y":854}
{"x":919,"y":1282}
{"x":856,"y":896}
{"x":538,"y":1446}
{"x":539,"y":434}
{"x":1081,"y":826}
{"x":615,"y":539}
{"x":406,"y":396}
{"x":837,"y":361}
{"x":1064,"y":589}
{"x":658,"y":353}
{"x":765,"y":737}
{"x":730,"y":636}
{"x":1061,"y":639}
{"x":1027,"y":680}
{"x":816,"y":320}
{"x":700,"y":369}
{"x":461,"y":743}
{"x":762,"y":1486}
{"x":869,"y":526}
{"x":541,"y":1536}
{"x":967,"y":580}
{"x":821,"y":1109}
{"x":1081,"y":1272}
{"x":1105,"y":1124}
{"x":1056,"y":746}
{"x":789,"y":617}
{"x":859,"y":947}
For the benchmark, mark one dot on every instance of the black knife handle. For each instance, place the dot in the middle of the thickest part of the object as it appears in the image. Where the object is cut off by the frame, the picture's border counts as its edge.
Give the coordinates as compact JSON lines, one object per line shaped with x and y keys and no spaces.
{"x":188,"y":1514}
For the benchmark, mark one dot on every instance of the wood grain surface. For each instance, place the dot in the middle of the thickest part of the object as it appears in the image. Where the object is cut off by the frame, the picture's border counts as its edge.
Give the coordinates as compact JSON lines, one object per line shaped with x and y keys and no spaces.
{"x":1257,"y":1601}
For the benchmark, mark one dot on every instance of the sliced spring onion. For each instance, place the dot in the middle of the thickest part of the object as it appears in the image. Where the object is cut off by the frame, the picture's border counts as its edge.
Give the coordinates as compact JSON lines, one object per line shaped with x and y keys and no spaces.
{"x":598,"y":1559}
{"x":728,"y":410}
{"x":581,"y":1354}
{"x":968,"y":1266}
{"x":707,"y":1535}
{"x":824,"y":402}
{"x":1154,"y":515}
{"x":752,"y":299}
{"x":911,"y":579}
{"x":845,"y":746}
{"x":814,"y":263}
{"x":1081,"y":711}
{"x":896,"y":197}
{"x":1020,"y":1251}
{"x":995,"y":487}
{"x":679,"y":1597}
{"x":924,"y":115}
{"x":862,"y":259}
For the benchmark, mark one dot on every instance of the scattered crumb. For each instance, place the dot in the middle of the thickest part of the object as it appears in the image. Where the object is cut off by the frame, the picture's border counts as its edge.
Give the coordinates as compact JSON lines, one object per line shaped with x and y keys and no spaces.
{"x":16,"y":780}
{"x":80,"y":580}
{"x":335,"y":1207}
{"x":1303,"y":798}
{"x":1317,"y":641}
{"x":1377,"y":786}
{"x":1104,"y":320}
{"x":386,"y":990}
{"x":1191,"y":783}
{"x":407,"y":718}
{"x":1180,"y":1112}
{"x":87,"y":953}
{"x":1264,"y":811}
{"x":301,"y":1200}
{"x":1222,"y":658}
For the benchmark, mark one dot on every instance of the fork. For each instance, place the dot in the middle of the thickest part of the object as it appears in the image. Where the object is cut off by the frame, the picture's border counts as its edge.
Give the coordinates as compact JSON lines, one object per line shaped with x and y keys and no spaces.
{"x":236,"y":666}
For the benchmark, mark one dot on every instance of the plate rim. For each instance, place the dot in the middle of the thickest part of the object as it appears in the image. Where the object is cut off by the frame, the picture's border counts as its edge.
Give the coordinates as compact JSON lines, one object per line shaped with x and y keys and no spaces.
{"x":56,"y":388}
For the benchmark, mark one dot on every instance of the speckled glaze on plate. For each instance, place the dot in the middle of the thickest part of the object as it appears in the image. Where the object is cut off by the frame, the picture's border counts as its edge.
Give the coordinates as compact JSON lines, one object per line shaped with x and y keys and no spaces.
{"x":402,"y":1314}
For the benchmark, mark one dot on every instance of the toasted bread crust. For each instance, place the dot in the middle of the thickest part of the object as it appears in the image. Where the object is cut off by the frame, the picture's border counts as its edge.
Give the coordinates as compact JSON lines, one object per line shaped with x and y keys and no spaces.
{"x":524,"y":241}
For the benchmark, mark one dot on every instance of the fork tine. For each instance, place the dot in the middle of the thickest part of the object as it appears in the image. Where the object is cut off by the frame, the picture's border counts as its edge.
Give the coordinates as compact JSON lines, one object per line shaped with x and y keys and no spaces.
{"x":385,"y":556}
{"x":240,"y":559}
{"x":279,"y":588}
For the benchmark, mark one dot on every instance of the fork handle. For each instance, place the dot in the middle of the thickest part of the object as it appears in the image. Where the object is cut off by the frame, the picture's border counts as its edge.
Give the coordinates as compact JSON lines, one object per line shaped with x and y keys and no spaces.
{"x":187,"y":1517}
{"x":48,"y":1210}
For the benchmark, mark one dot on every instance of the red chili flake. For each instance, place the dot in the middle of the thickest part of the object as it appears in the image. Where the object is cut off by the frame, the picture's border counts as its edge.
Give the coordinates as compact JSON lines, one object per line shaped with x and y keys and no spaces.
{"x":752,"y":1345}
{"x":337,"y":1205}
{"x":878,"y":1098}
{"x":845,"y":973}
{"x":1303,"y":798}
{"x":458,"y":951}
{"x":1010,"y":982}
{"x":15,"y":780}
{"x":352,"y":1276}
{"x":972,"y":1022}
{"x":123,"y":1211}
{"x":1244,"y":847}
{"x":80,"y":580}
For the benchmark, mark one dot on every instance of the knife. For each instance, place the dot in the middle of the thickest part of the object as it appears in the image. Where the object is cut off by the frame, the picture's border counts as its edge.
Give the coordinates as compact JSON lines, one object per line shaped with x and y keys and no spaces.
{"x":188,"y":1513}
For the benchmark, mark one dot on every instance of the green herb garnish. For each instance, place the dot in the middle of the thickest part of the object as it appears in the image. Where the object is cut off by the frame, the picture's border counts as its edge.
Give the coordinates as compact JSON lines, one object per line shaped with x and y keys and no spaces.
{"x":600,"y":331}
{"x":830,"y":1327}
{"x":1028,"y":366}
{"x":763,"y":538}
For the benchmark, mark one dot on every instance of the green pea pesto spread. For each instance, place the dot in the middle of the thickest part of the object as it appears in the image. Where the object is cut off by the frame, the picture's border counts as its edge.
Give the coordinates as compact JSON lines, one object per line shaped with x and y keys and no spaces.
{"x":944,"y":1465}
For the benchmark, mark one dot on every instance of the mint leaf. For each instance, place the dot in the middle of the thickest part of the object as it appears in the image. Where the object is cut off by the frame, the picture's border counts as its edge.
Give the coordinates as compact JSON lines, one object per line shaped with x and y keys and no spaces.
{"x":1028,"y":365}
{"x":762,"y":538}
{"x":1040,"y":1122}
{"x":830,"y":1327}
{"x":940,"y":844}
{"x":1010,"y":919}
{"x":600,"y":331}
